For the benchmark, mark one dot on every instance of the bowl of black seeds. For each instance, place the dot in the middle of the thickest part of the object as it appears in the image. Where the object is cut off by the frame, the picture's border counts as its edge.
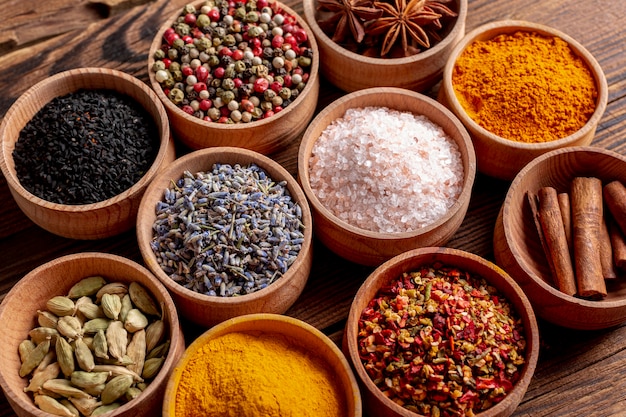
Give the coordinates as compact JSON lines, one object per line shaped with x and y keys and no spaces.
{"x":79,"y":149}
{"x":229,"y":232}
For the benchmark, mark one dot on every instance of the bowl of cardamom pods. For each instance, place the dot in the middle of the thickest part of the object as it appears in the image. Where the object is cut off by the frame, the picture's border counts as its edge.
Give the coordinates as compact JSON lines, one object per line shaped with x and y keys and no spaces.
{"x":523,"y":89}
{"x":401,"y":43}
{"x":88,"y":334}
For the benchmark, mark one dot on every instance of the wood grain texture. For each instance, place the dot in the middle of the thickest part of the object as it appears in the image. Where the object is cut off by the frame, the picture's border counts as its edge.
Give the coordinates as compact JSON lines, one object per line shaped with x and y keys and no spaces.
{"x":579,"y":372}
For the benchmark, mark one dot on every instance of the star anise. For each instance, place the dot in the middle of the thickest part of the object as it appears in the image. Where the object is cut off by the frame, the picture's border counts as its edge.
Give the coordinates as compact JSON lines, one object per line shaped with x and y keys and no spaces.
{"x":408,"y":21}
{"x":348,"y":16}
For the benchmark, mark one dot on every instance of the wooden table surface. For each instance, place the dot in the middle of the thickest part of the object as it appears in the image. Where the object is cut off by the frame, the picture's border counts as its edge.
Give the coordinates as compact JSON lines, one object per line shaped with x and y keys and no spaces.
{"x":580,"y":373}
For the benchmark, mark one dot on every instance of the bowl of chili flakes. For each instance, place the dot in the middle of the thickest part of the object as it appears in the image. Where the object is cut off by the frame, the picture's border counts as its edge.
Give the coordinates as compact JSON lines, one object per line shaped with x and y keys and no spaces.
{"x":440,"y":331}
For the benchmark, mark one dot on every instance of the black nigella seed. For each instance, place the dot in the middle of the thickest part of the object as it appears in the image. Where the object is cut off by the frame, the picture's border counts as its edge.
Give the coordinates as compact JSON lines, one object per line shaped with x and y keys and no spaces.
{"x":85,"y":147}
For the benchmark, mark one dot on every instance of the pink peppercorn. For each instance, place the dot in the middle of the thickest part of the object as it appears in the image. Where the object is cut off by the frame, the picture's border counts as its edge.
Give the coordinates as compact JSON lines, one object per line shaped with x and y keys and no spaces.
{"x":199,"y":86}
{"x":219,"y":72}
{"x":202,"y":73}
{"x":238,"y":82}
{"x":301,"y":35}
{"x":278,"y":41}
{"x":237,"y":55}
{"x":188,"y":109}
{"x":187,"y":71}
{"x":260,"y":85}
{"x":225,"y":52}
{"x":187,"y":39}
{"x":261,"y":4}
{"x":222,"y":119}
{"x":190,"y":18}
{"x":268,"y":113}
{"x":276,"y":86}
{"x":205,"y":105}
{"x":214,"y":15}
{"x":167,"y":62}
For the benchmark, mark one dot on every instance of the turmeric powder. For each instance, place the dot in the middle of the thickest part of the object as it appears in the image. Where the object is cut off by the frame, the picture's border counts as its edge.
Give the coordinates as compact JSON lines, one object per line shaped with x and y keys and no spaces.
{"x":525,"y":87}
{"x":256,"y":375}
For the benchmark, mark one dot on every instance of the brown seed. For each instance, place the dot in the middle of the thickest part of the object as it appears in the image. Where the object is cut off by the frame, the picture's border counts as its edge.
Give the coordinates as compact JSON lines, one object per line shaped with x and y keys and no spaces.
{"x":142,"y":299}
{"x":115,"y":388}
{"x":87,"y":287}
{"x":34,"y":358}
{"x":117,"y":339}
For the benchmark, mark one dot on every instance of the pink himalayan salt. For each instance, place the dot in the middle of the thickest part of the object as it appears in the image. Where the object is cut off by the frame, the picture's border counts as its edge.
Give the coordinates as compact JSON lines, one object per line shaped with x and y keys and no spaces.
{"x":386,"y":171}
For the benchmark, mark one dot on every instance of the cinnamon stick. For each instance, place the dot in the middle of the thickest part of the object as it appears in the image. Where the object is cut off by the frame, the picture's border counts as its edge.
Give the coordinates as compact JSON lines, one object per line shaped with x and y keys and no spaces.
{"x":618,"y":244}
{"x":566,"y":215}
{"x":606,"y":252}
{"x":586,"y":200}
{"x":615,"y":198}
{"x":534,"y":209}
{"x":556,"y":240}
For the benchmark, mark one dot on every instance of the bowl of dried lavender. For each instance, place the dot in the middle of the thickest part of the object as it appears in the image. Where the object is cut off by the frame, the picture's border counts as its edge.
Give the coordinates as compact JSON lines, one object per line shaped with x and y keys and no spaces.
{"x":396,"y":43}
{"x":453,"y":324}
{"x":385,"y":170}
{"x":229,"y":232}
{"x":79,"y":149}
{"x":86,"y":334}
{"x":243,"y":74}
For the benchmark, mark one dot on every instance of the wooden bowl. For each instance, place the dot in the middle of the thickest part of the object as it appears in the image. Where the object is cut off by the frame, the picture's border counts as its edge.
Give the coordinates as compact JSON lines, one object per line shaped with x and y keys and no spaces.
{"x":503,"y":158}
{"x":518,"y":250}
{"x":301,"y":334}
{"x":364,"y":246}
{"x":87,"y":221}
{"x":264,"y":135}
{"x":209,"y":310}
{"x":351,"y":71}
{"x":18,"y":315}
{"x":373,"y":399}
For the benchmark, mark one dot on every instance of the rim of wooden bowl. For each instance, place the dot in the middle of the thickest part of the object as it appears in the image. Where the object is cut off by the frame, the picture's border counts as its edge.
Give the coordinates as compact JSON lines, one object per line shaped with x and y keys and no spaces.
{"x":469,"y":262}
{"x":489,"y":31}
{"x":506,"y":242}
{"x":395,"y":98}
{"x":204,"y":159}
{"x":310,"y":87}
{"x":386,"y":63}
{"x":37,"y":96}
{"x":297,"y":331}
{"x":112,"y":267}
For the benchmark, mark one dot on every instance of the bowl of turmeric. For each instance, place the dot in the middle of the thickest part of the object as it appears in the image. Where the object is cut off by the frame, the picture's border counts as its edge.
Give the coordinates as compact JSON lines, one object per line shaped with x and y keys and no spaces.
{"x":522,"y":89}
{"x":263,"y":365}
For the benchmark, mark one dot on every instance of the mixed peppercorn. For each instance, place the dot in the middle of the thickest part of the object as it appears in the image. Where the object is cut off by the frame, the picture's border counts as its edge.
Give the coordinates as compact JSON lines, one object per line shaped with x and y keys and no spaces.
{"x":233,"y":61}
{"x":441,"y":342}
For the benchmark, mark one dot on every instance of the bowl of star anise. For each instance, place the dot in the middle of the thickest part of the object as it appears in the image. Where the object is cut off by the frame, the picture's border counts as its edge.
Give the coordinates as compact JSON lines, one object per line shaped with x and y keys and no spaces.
{"x":380,"y":43}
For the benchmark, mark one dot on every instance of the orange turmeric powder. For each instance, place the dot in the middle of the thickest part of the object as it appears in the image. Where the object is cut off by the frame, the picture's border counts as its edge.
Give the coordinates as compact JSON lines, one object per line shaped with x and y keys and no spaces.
{"x":256,"y":375}
{"x":525,"y":87}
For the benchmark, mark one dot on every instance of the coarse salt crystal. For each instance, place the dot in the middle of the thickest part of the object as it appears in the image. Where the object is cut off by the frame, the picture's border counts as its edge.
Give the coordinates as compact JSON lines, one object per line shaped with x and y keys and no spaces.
{"x":386,"y":171}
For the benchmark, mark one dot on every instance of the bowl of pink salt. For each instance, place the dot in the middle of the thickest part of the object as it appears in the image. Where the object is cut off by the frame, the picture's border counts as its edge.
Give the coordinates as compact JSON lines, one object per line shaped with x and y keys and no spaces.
{"x":523,"y":89}
{"x":261,"y":365}
{"x":385,"y":170}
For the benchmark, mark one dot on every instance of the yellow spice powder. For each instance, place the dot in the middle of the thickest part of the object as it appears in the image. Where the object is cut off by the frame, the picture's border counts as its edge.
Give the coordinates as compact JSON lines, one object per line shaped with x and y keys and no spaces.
{"x":240,"y":374}
{"x":525,"y":87}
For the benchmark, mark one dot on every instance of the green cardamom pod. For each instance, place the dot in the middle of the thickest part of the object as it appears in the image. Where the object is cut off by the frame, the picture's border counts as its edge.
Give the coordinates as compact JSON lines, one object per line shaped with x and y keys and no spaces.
{"x":160,"y":350}
{"x":132,"y":393}
{"x":86,"y":406}
{"x":65,"y":388}
{"x":85,"y":379}
{"x":142,"y":299}
{"x":25,"y":347}
{"x":52,"y":406}
{"x":117,"y":339}
{"x":89,"y":309}
{"x":135,"y":321}
{"x":100,"y":347}
{"x":154,"y":334}
{"x":118,"y":288}
{"x":70,"y":327}
{"x":86,"y":287}
{"x":96,"y":390}
{"x":34,"y":358}
{"x":127,"y":305}
{"x":40,"y":334}
{"x":47,"y":319}
{"x":117,"y":370}
{"x":39,"y":377}
{"x":84,"y":356}
{"x":65,"y":356}
{"x":111,"y":306}
{"x":152,"y":367}
{"x":70,"y":407}
{"x":115,"y":388}
{"x":92,"y":326}
{"x":61,"y":306}
{"x":136,"y":351}
{"x":103,"y":409}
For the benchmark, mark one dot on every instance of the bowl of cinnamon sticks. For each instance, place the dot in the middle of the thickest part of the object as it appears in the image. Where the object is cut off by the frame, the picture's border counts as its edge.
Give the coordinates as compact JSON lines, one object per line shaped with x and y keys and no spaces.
{"x":561,"y":234}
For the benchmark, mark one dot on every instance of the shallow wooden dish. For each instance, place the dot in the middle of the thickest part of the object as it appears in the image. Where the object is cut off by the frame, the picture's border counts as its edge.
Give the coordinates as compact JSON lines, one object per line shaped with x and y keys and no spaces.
{"x":364,"y":246}
{"x":18,"y":315}
{"x":503,"y":158}
{"x":264,"y":136}
{"x":373,"y":399}
{"x":517,"y":248}
{"x":351,"y":71}
{"x":302,"y":334}
{"x":87,"y":221}
{"x":210,"y":310}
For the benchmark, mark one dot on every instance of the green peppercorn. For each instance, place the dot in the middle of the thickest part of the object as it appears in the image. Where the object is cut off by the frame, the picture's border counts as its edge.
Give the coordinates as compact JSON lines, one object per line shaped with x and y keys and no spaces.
{"x":172,"y":54}
{"x":178,"y":43}
{"x":203,"y":21}
{"x":189,"y":8}
{"x":266,"y":105}
{"x":240,"y":13}
{"x":169,"y":83}
{"x":285,"y":93}
{"x":174,"y":66}
{"x":240,"y":67}
{"x":304,"y":61}
{"x":203,"y":43}
{"x":213,"y":113}
{"x":176,"y":95}
{"x":277,"y":101}
{"x":257,"y":113}
{"x":159,"y":54}
{"x":158,"y":66}
{"x":177,"y":75}
{"x":269,"y":94}
{"x":251,"y":17}
{"x":228,"y":84}
{"x":227,"y":96}
{"x":182,"y":29}
{"x":229,"y":40}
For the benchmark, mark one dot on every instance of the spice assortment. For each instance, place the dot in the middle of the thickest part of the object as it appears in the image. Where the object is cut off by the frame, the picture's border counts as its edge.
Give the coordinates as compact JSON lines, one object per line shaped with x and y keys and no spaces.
{"x":227,"y":232}
{"x":94,"y":349}
{"x":440,"y":341}
{"x":400,"y":172}
{"x":582,"y":232}
{"x":233,"y":62}
{"x":388,"y":28}
{"x":85,"y":147}
{"x":257,"y":374}
{"x":499,"y":83}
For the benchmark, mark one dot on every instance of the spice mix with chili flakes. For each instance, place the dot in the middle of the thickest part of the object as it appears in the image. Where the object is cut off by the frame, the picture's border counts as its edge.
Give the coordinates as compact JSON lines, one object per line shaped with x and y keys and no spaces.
{"x":440,"y":341}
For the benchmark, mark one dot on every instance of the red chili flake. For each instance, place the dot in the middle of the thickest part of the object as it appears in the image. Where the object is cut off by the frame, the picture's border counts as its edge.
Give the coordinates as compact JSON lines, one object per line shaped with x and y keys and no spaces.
{"x":441,"y":342}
